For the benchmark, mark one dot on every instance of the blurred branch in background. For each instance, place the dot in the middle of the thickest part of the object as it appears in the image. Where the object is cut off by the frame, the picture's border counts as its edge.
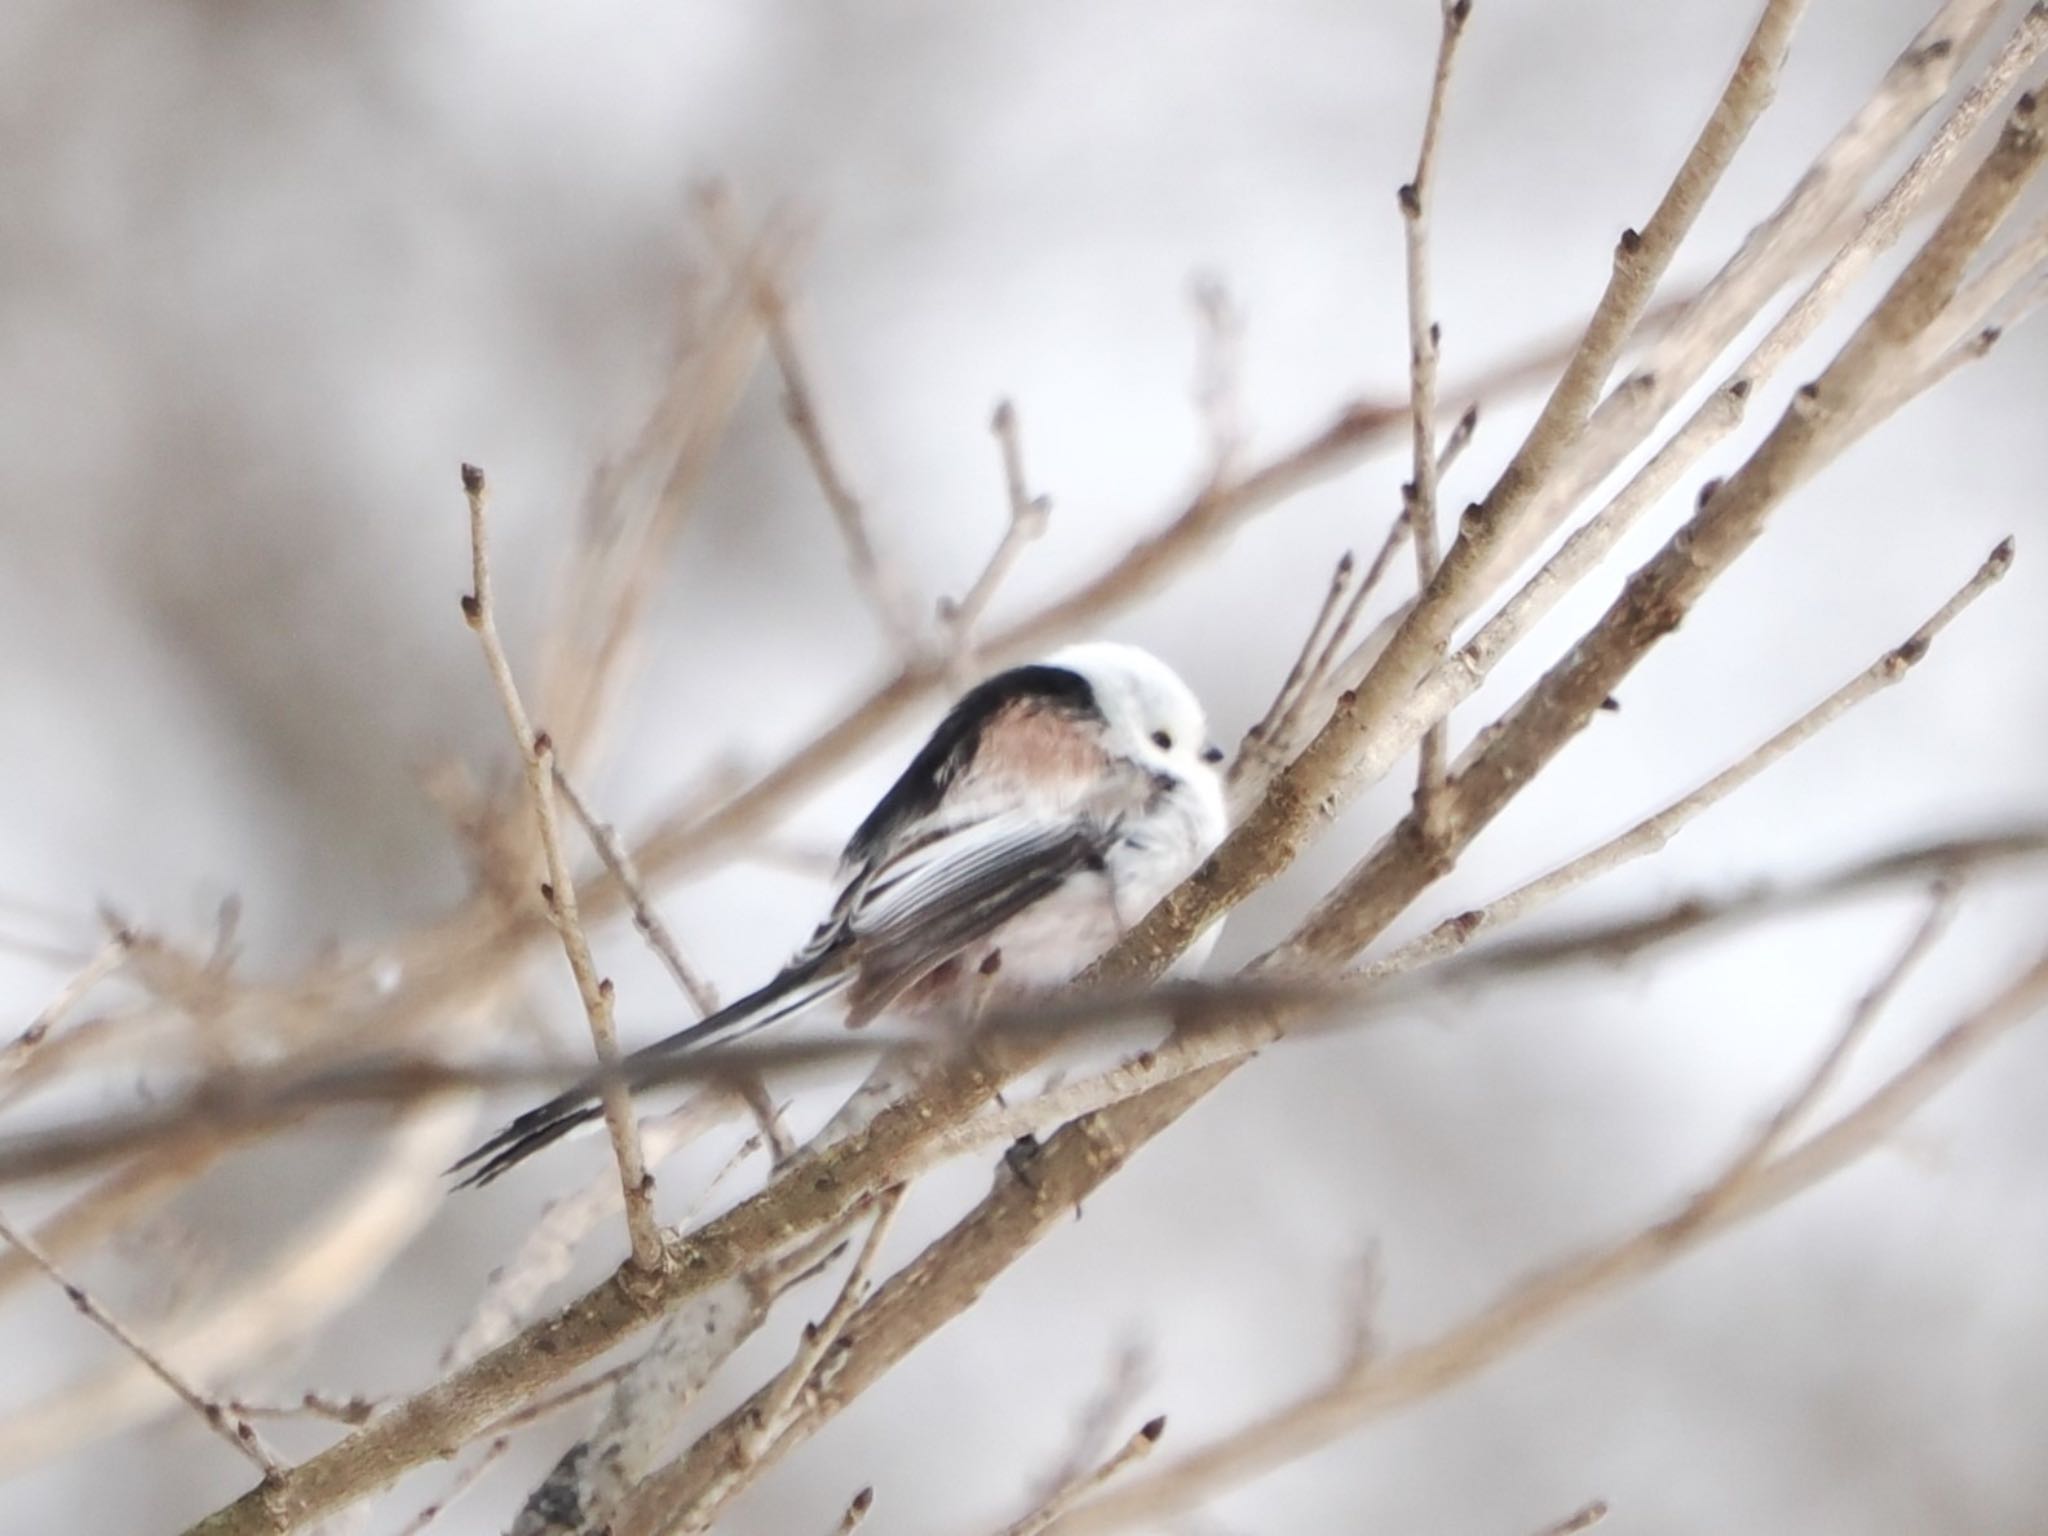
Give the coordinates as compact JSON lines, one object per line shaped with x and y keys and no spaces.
{"x":231,"y":1061}
{"x":230,"y":1426}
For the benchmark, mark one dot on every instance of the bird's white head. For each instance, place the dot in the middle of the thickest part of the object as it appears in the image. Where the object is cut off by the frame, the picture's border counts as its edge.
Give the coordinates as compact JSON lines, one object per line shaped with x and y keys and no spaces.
{"x":1149,"y":715}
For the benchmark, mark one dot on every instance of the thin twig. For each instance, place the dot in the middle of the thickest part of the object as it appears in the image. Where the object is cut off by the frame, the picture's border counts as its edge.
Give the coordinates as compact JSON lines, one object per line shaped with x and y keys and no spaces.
{"x":1660,"y":593}
{"x":1271,"y":743}
{"x":536,"y":753}
{"x":1722,"y":411}
{"x":546,"y":1253}
{"x":465,"y":1480}
{"x":103,"y":964}
{"x":1620,"y":939}
{"x":1336,"y":764}
{"x":878,"y":582}
{"x":352,"y":1411}
{"x":1265,"y":734}
{"x":1066,"y":1496}
{"x":1423,"y":353}
{"x":554,"y":1402}
{"x":1027,"y":519}
{"x":819,"y":1337}
{"x":768,"y":1415}
{"x":1655,"y":832}
{"x":857,"y":1509}
{"x":1772,"y":1136}
{"x":1307,"y":707}
{"x":775,"y":1132}
{"x":229,"y":1426}
{"x":646,"y":920}
{"x":288,"y":1294}
{"x":1130,"y":1375}
{"x":1290,"y":730}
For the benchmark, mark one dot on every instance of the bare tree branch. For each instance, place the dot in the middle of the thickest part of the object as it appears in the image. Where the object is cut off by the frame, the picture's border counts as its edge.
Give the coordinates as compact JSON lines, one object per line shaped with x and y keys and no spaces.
{"x":103,"y":964}
{"x":1766,"y":260}
{"x":465,"y":1480}
{"x":856,"y":1511}
{"x":955,"y":1268}
{"x":1653,"y":833}
{"x":1950,"y":859}
{"x":1423,"y":337}
{"x":879,"y":583}
{"x":1332,"y":765}
{"x":824,"y":1185}
{"x":1547,"y":1297}
{"x":229,"y":1426}
{"x":1658,"y":595}
{"x":331,"y":1257}
{"x":771,"y":1410}
{"x":537,"y":753}
{"x":1027,"y":519}
{"x":638,"y":502}
{"x":1067,"y":1495}
{"x":646,"y":921}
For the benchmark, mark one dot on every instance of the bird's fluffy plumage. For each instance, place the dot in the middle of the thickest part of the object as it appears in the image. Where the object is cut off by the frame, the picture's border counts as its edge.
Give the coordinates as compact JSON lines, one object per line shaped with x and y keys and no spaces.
{"x":1046,"y":813}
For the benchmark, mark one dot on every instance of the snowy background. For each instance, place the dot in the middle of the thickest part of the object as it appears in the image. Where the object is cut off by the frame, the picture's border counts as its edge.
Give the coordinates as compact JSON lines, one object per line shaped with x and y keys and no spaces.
{"x":268,"y":273}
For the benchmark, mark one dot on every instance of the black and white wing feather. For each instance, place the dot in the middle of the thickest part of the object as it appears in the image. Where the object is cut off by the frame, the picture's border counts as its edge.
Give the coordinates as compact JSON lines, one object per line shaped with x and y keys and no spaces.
{"x":899,"y":919}
{"x":923,"y":907}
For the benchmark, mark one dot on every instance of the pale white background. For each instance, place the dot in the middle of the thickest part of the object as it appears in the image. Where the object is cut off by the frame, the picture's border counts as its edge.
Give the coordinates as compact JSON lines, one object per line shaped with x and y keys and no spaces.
{"x":267,"y":273}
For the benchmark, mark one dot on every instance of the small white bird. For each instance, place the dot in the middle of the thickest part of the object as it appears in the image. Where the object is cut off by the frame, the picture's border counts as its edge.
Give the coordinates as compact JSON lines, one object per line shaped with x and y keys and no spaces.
{"x":1049,"y":811}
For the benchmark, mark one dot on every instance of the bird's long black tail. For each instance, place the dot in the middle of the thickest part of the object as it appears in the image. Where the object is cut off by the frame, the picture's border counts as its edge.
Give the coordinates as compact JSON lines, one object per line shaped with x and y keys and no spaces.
{"x":791,"y":993}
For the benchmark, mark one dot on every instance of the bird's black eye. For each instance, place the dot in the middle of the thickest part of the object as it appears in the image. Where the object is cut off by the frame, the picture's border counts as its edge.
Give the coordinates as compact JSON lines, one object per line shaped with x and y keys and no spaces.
{"x":1162,"y":741}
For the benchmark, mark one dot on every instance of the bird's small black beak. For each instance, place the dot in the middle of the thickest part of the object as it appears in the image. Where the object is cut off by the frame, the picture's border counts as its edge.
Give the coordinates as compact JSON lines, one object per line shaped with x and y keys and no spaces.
{"x":1212,"y":753}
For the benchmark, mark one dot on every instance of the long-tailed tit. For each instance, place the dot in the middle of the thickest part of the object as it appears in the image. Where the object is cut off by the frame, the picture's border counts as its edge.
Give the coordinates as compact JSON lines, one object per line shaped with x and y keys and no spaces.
{"x":1051,"y":808}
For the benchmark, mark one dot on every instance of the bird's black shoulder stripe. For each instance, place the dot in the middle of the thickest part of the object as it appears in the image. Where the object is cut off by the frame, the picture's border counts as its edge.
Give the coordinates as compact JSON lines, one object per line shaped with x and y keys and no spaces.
{"x":953,"y":744}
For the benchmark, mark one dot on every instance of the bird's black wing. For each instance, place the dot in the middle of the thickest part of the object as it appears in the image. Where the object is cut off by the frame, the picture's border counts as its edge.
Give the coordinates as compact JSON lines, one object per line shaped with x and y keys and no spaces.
{"x":954,"y":743}
{"x":797,"y":988}
{"x":922,"y":909}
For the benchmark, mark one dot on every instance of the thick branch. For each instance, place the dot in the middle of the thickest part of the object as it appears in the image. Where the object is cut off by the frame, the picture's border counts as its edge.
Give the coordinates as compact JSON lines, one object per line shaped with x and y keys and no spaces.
{"x":1658,"y":596}
{"x":1336,"y":763}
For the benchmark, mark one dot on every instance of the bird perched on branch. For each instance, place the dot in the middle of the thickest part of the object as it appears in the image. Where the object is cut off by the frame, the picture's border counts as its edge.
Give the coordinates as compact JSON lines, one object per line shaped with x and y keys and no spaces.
{"x":1047,"y":813}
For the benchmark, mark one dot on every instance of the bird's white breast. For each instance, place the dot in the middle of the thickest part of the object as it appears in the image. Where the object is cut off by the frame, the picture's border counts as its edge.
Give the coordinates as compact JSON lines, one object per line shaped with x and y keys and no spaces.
{"x":1060,"y":936}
